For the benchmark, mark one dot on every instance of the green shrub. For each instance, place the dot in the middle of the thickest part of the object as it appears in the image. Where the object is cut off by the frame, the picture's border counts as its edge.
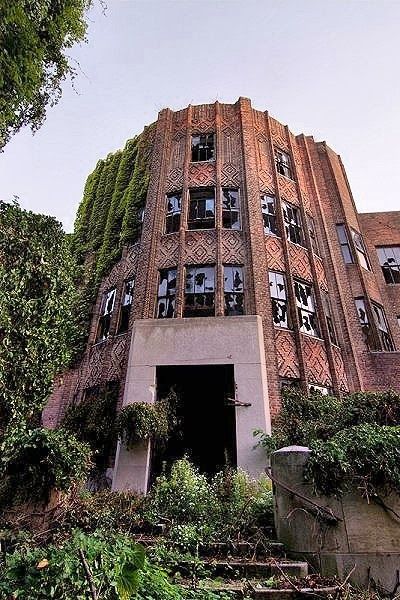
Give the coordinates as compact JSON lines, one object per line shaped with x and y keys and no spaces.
{"x":366,"y":454}
{"x":34,"y":462}
{"x":142,"y":421}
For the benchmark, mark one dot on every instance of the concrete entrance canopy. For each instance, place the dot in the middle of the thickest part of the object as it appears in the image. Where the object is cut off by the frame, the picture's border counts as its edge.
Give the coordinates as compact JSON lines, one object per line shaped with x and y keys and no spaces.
{"x":197,"y":341}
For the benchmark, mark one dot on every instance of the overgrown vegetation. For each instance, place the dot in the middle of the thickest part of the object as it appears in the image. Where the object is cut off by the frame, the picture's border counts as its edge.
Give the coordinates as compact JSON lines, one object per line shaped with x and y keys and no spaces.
{"x":355,"y":440}
{"x":143,"y":421}
{"x":34,"y":37}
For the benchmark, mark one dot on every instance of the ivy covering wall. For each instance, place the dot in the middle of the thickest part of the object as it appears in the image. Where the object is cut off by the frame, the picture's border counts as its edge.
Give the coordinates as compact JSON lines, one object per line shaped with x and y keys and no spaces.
{"x":109,"y":216}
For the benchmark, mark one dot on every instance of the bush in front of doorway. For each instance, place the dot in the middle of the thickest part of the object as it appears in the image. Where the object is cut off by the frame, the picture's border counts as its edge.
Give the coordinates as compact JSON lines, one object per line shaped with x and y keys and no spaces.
{"x":142,"y":421}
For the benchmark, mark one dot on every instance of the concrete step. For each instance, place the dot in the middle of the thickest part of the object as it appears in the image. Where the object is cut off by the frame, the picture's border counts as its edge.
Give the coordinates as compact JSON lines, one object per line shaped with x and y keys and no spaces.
{"x":256,"y":591}
{"x":248,"y":549}
{"x":238,"y":568}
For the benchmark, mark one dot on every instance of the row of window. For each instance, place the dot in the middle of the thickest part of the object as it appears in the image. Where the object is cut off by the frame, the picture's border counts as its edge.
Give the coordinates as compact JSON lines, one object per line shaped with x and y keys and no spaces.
{"x":203,"y":150}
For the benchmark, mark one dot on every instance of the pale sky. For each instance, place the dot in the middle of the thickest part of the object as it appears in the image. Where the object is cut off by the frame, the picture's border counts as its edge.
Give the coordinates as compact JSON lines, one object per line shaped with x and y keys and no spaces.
{"x":326,"y":68}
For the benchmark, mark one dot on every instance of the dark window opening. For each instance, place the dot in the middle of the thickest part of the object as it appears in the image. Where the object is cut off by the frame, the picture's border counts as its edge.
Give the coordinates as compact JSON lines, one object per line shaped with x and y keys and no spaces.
{"x":283,"y":163}
{"x":166,"y":294}
{"x":199,"y":292}
{"x":201,"y":209}
{"x":382,"y":327}
{"x":230,"y":208}
{"x":289,"y":382}
{"x":203,"y":147}
{"x":344,"y":244}
{"x":360,"y":250}
{"x":315,"y":388}
{"x":277,"y":286}
{"x":269,"y":214}
{"x":293,"y":224}
{"x":233,"y":290}
{"x":173,"y":213}
{"x":313,"y":235}
{"x":126,"y":303}
{"x":205,"y":411}
{"x":389,"y":259}
{"x":306,"y":310}
{"x":107,"y":307}
{"x":328,"y":316}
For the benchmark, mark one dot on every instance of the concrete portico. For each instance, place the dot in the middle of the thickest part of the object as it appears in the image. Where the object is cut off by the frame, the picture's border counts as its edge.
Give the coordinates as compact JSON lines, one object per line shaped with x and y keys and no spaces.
{"x":197,"y":341}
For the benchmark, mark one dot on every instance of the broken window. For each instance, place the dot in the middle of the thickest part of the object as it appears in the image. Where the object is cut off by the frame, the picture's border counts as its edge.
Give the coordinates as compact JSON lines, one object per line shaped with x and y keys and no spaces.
{"x":306,"y":310}
{"x":107,"y":307}
{"x":389,"y":259}
{"x":233,"y":290}
{"x":314,"y":388}
{"x":269,"y":214}
{"x":230,"y":208}
{"x":313,"y":235}
{"x":166,"y":294}
{"x":369,"y":337}
{"x":173,"y":212}
{"x":293,"y":224}
{"x":283,"y":163}
{"x":328,"y":315}
{"x":288,"y":382}
{"x":203,"y":147}
{"x":201,"y":209}
{"x":126,"y":303}
{"x":344,"y":244}
{"x":280,"y":310}
{"x":360,"y":250}
{"x":199,"y":291}
{"x":382,"y":327}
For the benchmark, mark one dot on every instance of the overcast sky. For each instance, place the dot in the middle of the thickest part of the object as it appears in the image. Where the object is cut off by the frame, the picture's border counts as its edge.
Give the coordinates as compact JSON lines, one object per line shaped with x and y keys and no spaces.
{"x":326,"y":68}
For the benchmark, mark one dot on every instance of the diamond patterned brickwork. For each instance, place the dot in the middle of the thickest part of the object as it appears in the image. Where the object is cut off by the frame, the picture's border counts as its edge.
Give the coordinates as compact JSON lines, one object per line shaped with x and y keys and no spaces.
{"x":321,"y":276}
{"x":202,"y":174}
{"x":287,"y":190}
{"x":316,"y":361}
{"x":275,"y":258}
{"x":200,"y":247}
{"x":233,"y":247}
{"x":288,"y":365}
{"x":300,"y":262}
{"x":340,"y":370}
{"x":278,"y":134}
{"x":168,"y":251}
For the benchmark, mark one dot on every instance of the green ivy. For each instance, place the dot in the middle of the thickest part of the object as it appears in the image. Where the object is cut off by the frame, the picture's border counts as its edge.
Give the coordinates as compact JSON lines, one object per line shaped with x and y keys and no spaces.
{"x":142,"y":421}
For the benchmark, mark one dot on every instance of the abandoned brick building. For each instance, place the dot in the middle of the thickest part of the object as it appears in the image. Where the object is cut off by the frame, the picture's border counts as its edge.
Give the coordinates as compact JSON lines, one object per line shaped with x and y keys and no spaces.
{"x":251,"y":269}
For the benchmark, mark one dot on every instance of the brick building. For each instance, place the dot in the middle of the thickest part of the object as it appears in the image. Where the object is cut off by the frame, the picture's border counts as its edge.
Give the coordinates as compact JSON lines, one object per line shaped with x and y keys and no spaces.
{"x":253,"y":270}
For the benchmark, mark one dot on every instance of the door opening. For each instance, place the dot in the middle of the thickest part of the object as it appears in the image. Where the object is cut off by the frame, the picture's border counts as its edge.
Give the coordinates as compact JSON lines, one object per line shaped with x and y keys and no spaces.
{"x":206,"y":431}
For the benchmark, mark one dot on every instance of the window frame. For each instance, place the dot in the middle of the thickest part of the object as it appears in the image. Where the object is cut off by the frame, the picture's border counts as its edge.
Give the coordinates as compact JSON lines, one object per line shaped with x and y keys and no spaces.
{"x":105,"y":316}
{"x":267,"y":200}
{"x":168,"y":298}
{"x":200,"y":220}
{"x":231,"y":210}
{"x":207,"y":309}
{"x":384,"y":334}
{"x":303,"y":311}
{"x":296,"y":225}
{"x":125,"y":307}
{"x":283,"y":167}
{"x":235,"y":293}
{"x":361,"y":251}
{"x":173,"y":216}
{"x":386,"y":268}
{"x":203,"y":147}
{"x":278,"y":302}
{"x":344,"y":242}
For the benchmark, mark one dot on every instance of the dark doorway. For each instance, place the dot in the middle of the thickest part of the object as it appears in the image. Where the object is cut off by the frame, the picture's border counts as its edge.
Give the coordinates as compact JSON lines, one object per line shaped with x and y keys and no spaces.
{"x":206,"y":430}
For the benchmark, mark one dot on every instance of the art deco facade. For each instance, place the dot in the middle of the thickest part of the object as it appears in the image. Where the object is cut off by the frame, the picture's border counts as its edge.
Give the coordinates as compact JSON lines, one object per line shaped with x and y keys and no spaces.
{"x":253,"y":258}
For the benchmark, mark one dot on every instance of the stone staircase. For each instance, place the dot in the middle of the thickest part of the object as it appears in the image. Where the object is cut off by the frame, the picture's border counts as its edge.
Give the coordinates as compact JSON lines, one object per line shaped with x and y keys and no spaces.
{"x":251,"y":570}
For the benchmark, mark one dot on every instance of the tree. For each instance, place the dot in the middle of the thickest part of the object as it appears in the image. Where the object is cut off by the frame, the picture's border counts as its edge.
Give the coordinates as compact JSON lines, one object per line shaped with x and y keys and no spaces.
{"x":37,"y":311}
{"x":34,"y":35}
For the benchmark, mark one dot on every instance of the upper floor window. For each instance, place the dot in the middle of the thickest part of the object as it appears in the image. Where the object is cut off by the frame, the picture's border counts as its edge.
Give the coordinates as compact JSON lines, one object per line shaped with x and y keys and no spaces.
{"x":269,"y":214}
{"x":173,"y":212}
{"x":126,"y":303}
{"x":382,"y":327}
{"x":293,"y":224}
{"x":106,"y":310}
{"x":328,"y":315}
{"x":283,"y":163}
{"x":360,"y":249}
{"x":277,"y":287}
{"x":344,"y":244}
{"x":166,"y":294}
{"x":201,"y":209}
{"x":199,"y":291}
{"x":306,"y":310}
{"x":233,"y":290}
{"x":230,"y":208}
{"x":203,"y":147}
{"x":389,"y":259}
{"x":313,"y":235}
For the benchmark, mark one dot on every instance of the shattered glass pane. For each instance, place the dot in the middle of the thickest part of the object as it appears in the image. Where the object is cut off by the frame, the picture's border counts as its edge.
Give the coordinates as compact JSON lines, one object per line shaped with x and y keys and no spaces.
{"x":166,"y":294}
{"x":268,"y":213}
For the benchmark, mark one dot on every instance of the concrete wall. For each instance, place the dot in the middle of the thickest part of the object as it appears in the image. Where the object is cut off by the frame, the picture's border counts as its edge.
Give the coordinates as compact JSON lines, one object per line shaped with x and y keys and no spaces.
{"x":365,"y":540}
{"x":199,"y":341}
